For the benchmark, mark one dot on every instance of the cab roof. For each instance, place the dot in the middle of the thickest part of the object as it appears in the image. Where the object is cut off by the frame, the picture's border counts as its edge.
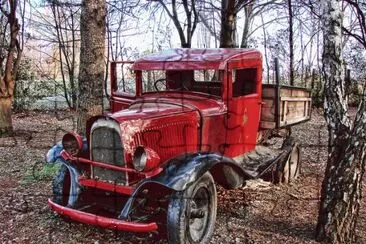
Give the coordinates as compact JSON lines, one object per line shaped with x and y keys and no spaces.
{"x":192,"y":58}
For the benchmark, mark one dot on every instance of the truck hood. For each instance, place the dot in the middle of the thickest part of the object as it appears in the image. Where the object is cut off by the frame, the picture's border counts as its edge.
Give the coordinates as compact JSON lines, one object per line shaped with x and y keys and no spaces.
{"x":167,"y":124}
{"x":170,"y":104}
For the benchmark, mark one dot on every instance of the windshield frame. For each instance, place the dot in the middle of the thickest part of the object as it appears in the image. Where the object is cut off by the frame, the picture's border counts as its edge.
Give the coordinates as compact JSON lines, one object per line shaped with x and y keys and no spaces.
{"x":221,"y":81}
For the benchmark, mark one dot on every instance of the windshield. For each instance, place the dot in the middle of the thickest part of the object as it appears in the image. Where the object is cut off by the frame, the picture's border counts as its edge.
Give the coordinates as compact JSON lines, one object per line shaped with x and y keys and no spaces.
{"x":204,"y":81}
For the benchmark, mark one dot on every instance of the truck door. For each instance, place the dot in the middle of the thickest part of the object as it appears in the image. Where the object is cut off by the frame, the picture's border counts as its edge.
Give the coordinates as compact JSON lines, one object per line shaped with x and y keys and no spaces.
{"x":244,"y":87}
{"x":123,"y":85}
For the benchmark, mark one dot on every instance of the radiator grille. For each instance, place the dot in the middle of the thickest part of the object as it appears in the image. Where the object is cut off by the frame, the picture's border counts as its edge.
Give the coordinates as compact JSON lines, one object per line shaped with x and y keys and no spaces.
{"x":106,"y":147}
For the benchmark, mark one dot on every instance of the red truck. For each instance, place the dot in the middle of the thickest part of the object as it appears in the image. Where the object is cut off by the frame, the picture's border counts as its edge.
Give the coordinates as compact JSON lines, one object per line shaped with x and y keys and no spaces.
{"x":192,"y":119}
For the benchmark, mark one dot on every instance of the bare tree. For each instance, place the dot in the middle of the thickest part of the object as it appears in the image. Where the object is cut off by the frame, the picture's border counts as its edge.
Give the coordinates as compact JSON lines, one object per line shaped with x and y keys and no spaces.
{"x":66,"y":26}
{"x":228,"y":24}
{"x":91,"y":74}
{"x":58,"y":26}
{"x":229,"y":11}
{"x":251,"y":10}
{"x":190,"y":22}
{"x":291,"y":40}
{"x":341,"y":188}
{"x":9,"y":63}
{"x":359,"y":33}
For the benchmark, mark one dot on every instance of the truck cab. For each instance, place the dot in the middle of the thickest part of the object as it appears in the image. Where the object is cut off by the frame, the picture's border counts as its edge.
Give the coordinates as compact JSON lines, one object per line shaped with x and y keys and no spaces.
{"x":224,"y":85}
{"x":181,"y":121}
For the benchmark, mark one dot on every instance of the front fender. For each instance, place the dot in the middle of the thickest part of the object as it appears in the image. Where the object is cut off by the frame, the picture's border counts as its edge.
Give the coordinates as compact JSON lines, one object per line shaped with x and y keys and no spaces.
{"x":54,"y":156}
{"x":180,"y":172}
{"x":183,"y":171}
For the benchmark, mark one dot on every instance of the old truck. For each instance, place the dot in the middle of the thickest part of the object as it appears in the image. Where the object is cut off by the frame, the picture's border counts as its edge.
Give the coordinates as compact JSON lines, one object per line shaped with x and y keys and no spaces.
{"x":193,"y":118}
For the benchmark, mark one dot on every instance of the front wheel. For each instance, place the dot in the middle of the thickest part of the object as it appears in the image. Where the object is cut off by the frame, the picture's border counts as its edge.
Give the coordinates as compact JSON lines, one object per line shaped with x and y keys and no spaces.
{"x":192,"y":212}
{"x":61,"y":186}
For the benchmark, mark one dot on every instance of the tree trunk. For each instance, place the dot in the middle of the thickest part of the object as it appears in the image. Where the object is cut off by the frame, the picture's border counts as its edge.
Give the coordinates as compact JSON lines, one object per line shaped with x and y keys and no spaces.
{"x":91,"y":74}
{"x":341,"y":188}
{"x":248,"y":10}
{"x":6,"y":127}
{"x":9,"y":72}
{"x":228,"y":24}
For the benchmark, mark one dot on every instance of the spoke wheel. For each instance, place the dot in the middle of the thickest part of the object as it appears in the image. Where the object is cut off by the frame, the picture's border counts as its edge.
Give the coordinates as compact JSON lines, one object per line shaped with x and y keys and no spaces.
{"x":192,"y":212}
{"x":197,"y":214}
{"x":291,"y":169}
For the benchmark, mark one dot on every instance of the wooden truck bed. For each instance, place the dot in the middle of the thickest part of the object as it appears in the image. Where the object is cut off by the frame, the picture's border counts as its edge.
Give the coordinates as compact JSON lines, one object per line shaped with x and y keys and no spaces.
{"x":284,"y":106}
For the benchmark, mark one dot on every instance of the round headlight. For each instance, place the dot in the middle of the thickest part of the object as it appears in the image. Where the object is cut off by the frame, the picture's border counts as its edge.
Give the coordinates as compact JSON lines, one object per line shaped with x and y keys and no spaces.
{"x":72,"y":143}
{"x":145,"y":159}
{"x":139,"y":158}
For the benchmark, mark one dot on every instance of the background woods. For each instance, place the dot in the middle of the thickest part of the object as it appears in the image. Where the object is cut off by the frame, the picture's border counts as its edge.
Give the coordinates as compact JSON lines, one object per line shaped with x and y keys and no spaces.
{"x":54,"y":56}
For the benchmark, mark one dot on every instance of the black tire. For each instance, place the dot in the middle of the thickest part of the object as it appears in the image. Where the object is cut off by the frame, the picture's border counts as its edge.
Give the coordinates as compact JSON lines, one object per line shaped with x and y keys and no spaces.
{"x":61,"y":186}
{"x":186,"y":224}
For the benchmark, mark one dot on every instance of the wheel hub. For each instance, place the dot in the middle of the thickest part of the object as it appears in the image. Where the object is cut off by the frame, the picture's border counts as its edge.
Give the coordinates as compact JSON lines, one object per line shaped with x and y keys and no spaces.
{"x":198,"y":218}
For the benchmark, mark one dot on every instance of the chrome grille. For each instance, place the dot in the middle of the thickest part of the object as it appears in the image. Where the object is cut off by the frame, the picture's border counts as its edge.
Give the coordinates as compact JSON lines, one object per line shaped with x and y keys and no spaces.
{"x":106,"y":147}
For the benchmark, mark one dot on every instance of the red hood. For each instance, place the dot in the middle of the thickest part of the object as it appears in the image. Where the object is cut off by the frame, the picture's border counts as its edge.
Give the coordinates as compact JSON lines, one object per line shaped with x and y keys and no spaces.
{"x":170,"y":104}
{"x":167,"y":122}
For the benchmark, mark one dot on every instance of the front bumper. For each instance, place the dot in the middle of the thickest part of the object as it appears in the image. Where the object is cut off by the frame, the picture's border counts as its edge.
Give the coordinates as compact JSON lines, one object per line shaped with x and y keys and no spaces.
{"x":104,"y":222}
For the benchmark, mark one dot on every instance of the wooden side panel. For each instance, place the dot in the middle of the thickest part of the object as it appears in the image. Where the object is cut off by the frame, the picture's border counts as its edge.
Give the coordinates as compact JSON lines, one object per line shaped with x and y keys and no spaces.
{"x":294,"y":106}
{"x":268,"y":91}
{"x":268,"y":110}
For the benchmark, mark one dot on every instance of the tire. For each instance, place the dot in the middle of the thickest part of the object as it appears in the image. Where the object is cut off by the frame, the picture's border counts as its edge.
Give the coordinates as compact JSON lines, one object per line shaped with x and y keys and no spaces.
{"x":192,"y":213}
{"x":291,"y":169}
{"x":61,"y":186}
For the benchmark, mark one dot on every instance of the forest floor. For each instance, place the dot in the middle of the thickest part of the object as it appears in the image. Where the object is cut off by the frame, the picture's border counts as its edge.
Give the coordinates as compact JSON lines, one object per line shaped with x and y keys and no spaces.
{"x":258,"y":213}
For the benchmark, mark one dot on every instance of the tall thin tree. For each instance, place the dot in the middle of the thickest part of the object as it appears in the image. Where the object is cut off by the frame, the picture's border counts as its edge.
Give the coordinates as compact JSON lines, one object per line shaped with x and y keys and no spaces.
{"x":291,"y":40}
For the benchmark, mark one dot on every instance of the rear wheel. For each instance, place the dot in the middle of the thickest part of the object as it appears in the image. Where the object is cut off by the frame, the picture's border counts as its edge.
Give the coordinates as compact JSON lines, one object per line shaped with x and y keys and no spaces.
{"x":192,"y":212}
{"x":291,"y":169}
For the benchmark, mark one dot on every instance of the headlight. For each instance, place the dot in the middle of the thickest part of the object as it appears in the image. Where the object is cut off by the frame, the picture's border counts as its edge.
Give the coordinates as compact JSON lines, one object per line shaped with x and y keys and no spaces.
{"x":54,"y":153}
{"x":72,"y":143}
{"x":145,"y":159}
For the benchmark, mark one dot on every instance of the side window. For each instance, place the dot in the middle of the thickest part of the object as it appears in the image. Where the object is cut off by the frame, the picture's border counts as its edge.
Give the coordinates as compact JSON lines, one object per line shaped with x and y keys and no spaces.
{"x":208,"y":81}
{"x":125,"y":80}
{"x":209,"y":75}
{"x":244,"y":82}
{"x":149,"y":80}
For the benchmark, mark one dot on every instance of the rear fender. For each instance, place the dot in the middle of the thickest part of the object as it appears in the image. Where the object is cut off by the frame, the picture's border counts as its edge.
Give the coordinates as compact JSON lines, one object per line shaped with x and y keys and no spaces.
{"x":181,"y":172}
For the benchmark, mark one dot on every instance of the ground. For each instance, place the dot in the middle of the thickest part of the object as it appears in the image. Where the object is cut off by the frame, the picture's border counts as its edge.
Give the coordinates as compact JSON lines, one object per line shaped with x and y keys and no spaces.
{"x":258,"y":213}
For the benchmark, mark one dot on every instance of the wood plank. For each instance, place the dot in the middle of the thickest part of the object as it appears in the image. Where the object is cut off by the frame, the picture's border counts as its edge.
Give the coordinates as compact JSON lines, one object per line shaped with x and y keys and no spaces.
{"x":268,"y":110}
{"x":295,"y":106}
{"x":295,"y":99}
{"x":267,"y":125}
{"x":293,"y":92}
{"x":290,"y":122}
{"x":269,"y":92}
{"x":285,"y":109}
